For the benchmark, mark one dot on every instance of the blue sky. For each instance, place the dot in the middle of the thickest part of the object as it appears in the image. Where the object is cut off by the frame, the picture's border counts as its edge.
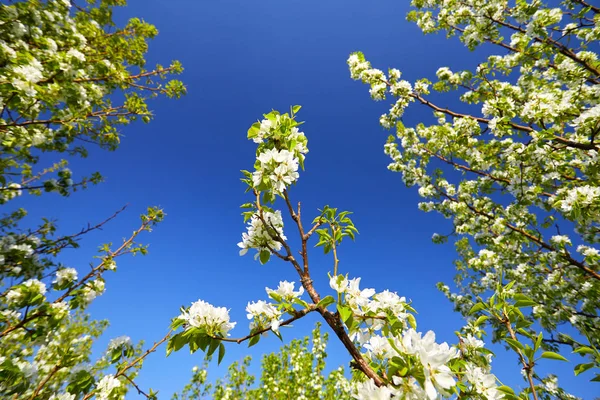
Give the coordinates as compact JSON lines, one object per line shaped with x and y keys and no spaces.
{"x":241,"y":60}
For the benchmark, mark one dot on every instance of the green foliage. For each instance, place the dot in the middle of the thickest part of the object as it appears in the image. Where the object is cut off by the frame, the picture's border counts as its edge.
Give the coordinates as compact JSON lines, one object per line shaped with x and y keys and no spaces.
{"x":295,"y":372}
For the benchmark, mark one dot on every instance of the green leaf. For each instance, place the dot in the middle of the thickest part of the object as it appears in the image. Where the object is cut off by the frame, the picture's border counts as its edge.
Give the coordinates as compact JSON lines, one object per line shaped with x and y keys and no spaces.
{"x":300,"y":302}
{"x":214,"y":345}
{"x":176,"y":343}
{"x":584,"y":350}
{"x":264,"y":256}
{"x":326,"y":301}
{"x":506,"y":389}
{"x":345,"y":312}
{"x":221,"y":353}
{"x":525,"y":303}
{"x":253,"y":340}
{"x":553,"y":356}
{"x":295,"y":109}
{"x":477,"y":307}
{"x":538,"y":341}
{"x":412,"y":321}
{"x":254,"y":129}
{"x":581,"y":368}
{"x":515,"y":344}
{"x":508,"y":392}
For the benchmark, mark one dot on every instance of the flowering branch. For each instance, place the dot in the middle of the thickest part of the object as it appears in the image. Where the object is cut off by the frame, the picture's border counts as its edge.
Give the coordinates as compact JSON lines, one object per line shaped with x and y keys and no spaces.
{"x":297,"y":316}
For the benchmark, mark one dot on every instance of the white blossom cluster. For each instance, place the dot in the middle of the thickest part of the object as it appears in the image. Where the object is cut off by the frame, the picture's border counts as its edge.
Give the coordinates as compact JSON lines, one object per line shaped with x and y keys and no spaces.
{"x":9,"y":192}
{"x":214,"y":320}
{"x":106,"y":386}
{"x":259,"y":236}
{"x":281,"y":151}
{"x":121,"y":342}
{"x":285,"y":291}
{"x":263,"y":314}
{"x":375,"y":311}
{"x":65,"y":276}
{"x":30,"y":288}
{"x":278,"y":167}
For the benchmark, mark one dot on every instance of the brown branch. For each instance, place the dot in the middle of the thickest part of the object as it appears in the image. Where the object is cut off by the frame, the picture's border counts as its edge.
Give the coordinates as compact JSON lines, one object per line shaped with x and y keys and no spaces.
{"x":333,"y":320}
{"x":515,"y":50}
{"x":564,"y":50}
{"x":313,"y":229}
{"x":477,"y":172}
{"x":296,"y":218}
{"x":140,"y":391}
{"x":528,"y":235}
{"x":134,"y":362}
{"x":131,"y":77}
{"x":143,"y":356}
{"x":526,"y":366}
{"x":45,"y":381}
{"x":275,"y":236}
{"x":523,"y":128}
{"x":297,"y":316}
{"x":83,"y":231}
{"x":587,"y":5}
{"x":92,"y":273}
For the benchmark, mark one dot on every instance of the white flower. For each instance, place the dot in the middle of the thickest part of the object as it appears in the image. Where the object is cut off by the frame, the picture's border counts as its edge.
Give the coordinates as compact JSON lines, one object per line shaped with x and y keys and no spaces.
{"x":582,"y":196}
{"x":105,"y":387}
{"x":587,"y":251}
{"x":259,"y":237}
{"x":378,"y":346}
{"x":561,"y":240}
{"x":74,"y":53}
{"x":27,"y":75}
{"x":551,"y":384}
{"x":356,"y":297}
{"x":433,"y":356}
{"x":279,"y":167}
{"x":339,"y":283}
{"x":483,"y":383}
{"x":62,"y":396}
{"x":286,"y":291}
{"x":369,"y":391}
{"x":36,"y":286}
{"x":387,"y":300}
{"x":260,"y":312}
{"x":61,"y":309}
{"x":472,"y":342}
{"x":204,"y":315}
{"x":14,"y":296}
{"x":65,"y":275}
{"x":119,"y":342}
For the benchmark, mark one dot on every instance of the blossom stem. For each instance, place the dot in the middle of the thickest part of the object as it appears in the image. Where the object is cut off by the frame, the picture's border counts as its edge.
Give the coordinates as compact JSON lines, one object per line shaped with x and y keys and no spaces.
{"x":528,"y":367}
{"x":297,"y":316}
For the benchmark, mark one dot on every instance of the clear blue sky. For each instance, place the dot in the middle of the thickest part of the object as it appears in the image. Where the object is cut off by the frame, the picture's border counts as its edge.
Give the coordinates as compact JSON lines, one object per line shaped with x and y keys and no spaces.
{"x":241,"y":59}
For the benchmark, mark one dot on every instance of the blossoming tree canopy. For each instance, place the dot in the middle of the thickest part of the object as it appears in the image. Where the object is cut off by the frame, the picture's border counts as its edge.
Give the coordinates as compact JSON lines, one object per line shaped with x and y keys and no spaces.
{"x":526,"y":205}
{"x":525,"y":211}
{"x":69,"y":77}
